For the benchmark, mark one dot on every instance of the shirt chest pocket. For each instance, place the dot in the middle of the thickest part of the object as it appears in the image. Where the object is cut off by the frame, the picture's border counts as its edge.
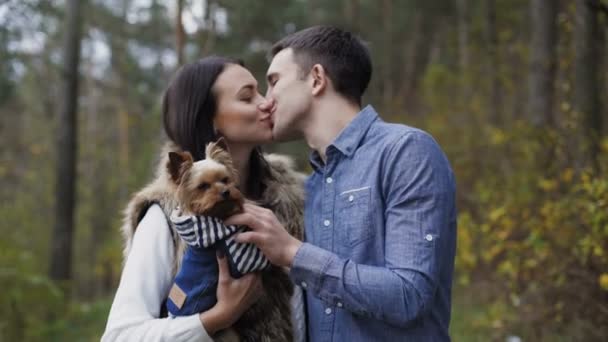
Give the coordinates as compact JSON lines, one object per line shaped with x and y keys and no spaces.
{"x":354,"y":215}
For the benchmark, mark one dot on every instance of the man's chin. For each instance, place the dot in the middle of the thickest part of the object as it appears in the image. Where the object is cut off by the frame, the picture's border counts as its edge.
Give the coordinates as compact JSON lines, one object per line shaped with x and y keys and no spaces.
{"x":281,"y":136}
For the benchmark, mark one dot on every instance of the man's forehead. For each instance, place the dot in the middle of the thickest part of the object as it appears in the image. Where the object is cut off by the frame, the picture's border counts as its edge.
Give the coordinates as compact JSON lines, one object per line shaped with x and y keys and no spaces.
{"x":282,"y":60}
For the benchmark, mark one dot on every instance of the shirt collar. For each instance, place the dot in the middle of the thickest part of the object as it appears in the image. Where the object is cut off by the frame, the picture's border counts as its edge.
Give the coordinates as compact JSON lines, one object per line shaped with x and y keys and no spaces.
{"x":350,"y":137}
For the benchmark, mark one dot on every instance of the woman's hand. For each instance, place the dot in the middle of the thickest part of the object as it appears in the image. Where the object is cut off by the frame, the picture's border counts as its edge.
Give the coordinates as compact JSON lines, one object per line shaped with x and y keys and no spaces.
{"x":234,"y":296}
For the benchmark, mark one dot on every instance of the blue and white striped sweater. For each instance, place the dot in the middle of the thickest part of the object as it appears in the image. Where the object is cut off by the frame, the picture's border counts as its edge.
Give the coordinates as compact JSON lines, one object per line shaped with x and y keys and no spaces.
{"x":206,"y":232}
{"x":196,"y":280}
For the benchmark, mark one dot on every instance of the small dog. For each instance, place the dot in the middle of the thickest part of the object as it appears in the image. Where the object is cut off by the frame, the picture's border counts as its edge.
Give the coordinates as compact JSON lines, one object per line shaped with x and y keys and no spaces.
{"x":208,"y":188}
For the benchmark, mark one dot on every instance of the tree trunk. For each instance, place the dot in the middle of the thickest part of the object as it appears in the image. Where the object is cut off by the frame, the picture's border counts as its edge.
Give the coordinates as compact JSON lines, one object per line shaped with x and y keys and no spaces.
{"x":542,"y":62}
{"x":180,"y":34}
{"x":587,"y":40}
{"x":351,"y":14}
{"x":210,"y":27}
{"x":61,"y":248}
{"x":493,"y":63}
{"x":417,"y":54}
{"x":387,"y":79}
{"x":463,"y":19}
{"x":95,"y":176}
{"x":122,"y":92}
{"x":463,"y":34}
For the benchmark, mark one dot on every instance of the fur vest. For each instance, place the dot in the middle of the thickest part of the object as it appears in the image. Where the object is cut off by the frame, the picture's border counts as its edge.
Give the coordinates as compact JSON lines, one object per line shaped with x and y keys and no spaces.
{"x":283,"y":194}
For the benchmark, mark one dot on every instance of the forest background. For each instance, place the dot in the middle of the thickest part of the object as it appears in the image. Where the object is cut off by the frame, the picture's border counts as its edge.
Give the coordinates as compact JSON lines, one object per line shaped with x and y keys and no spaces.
{"x":513,"y":90}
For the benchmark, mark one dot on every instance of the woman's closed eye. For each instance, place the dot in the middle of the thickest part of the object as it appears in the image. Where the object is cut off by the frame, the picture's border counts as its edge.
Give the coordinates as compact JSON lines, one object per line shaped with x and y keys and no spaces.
{"x":246,"y":94}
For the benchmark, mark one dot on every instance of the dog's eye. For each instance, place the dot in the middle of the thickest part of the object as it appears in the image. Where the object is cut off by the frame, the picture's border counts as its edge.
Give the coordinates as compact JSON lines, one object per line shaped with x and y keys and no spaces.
{"x":225,"y":180}
{"x":204,"y":186}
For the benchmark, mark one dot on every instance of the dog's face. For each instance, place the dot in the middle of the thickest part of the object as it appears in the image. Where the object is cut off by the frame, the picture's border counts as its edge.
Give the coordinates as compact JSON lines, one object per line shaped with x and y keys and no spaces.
{"x":206,"y":187}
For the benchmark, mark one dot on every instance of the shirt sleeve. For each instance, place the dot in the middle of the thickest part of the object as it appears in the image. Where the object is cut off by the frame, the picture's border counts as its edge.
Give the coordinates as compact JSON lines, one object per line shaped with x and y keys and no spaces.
{"x":145,"y":282}
{"x":419,"y":198}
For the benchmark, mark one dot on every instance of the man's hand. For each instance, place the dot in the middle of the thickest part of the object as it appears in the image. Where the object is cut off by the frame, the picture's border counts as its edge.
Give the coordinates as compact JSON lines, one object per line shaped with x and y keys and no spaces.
{"x":267,"y":233}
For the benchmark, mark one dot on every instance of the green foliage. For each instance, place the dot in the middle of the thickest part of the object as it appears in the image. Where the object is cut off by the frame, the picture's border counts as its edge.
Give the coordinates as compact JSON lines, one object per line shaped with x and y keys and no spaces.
{"x":532,"y":222}
{"x":533,"y":214}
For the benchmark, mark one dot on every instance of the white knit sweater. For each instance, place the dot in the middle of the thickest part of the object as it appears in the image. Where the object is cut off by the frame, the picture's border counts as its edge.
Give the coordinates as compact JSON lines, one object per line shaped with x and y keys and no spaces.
{"x":145,"y":282}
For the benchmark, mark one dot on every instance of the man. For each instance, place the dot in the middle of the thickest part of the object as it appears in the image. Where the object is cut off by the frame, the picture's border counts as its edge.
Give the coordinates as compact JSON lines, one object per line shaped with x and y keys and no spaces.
{"x":380,"y":218}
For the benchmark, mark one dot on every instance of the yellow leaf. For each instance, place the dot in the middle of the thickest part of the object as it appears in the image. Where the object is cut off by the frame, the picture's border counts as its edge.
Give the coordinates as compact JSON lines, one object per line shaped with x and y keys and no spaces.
{"x":605,"y":145}
{"x":497,"y":213}
{"x":547,"y":184}
{"x":567,"y":175}
{"x":603,"y":280}
{"x":598,"y":251}
{"x":497,"y":137}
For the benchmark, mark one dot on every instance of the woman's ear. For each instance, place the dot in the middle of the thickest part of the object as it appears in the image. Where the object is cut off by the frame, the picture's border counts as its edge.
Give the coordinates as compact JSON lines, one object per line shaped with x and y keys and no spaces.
{"x":319,"y":79}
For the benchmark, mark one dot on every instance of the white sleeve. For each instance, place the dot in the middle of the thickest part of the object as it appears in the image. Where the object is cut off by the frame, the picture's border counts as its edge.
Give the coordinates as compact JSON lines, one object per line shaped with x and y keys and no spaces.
{"x":145,"y":282}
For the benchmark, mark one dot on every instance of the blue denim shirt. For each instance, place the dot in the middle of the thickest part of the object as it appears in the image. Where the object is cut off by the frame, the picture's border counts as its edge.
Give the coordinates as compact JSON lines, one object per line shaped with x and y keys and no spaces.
{"x":380,"y":227}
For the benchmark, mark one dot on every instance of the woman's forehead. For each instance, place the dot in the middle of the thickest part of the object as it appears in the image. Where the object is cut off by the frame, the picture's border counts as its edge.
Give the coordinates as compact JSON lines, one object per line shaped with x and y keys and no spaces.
{"x":233,"y":78}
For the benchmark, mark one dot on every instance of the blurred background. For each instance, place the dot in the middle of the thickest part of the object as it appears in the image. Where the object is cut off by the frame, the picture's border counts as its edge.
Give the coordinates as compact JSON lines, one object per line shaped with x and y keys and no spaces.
{"x":513,"y":90}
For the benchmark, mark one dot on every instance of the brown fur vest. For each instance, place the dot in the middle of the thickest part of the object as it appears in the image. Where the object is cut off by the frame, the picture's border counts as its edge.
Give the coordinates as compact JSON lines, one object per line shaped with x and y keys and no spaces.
{"x":283,"y":194}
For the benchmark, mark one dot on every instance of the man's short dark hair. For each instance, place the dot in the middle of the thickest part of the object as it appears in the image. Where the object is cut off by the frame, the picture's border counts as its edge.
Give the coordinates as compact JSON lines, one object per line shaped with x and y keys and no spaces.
{"x":344,"y":57}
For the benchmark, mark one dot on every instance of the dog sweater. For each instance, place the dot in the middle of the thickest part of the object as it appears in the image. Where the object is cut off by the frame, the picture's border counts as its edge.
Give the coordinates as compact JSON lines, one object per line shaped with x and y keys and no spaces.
{"x":205,"y":232}
{"x":196,"y":281}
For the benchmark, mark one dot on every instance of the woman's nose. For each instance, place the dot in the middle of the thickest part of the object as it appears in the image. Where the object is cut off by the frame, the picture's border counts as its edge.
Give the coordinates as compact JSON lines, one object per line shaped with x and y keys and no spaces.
{"x":266,"y":105}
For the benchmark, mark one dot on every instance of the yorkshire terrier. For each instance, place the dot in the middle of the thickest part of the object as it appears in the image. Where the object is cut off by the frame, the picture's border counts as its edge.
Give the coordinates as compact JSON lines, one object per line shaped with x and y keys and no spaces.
{"x":207,"y":194}
{"x":206,"y":187}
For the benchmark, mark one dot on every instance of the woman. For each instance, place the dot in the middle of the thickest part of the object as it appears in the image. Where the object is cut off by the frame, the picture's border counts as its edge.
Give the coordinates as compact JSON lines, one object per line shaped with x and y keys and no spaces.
{"x":207,"y":99}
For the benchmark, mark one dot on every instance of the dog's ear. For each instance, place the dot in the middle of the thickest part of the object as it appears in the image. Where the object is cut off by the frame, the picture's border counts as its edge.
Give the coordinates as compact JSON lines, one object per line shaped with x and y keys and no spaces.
{"x":178,"y":163}
{"x":221,"y":143}
{"x":218,"y":151}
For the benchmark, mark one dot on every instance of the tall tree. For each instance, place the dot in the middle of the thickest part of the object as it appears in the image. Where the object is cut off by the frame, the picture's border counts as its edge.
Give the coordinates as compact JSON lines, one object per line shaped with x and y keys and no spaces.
{"x":351,"y":14}
{"x":463,"y":22}
{"x":542,"y":61}
{"x":209,"y":37}
{"x":417,"y":53}
{"x":491,"y":35}
{"x":180,"y":34}
{"x":387,"y":45}
{"x":463,"y":33}
{"x":587,"y":40}
{"x":61,"y":248}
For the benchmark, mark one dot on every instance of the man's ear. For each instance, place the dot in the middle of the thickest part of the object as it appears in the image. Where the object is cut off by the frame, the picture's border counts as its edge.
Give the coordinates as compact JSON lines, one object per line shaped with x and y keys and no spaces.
{"x":319,"y":79}
{"x":177,"y":165}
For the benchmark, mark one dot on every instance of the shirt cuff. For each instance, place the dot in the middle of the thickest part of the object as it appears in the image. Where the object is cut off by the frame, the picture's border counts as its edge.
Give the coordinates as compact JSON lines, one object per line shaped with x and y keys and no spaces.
{"x":309,"y":265}
{"x":188,"y":328}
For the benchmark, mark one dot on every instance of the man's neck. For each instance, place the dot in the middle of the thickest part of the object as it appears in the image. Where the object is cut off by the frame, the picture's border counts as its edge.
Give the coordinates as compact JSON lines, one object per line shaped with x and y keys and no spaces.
{"x":326,"y":122}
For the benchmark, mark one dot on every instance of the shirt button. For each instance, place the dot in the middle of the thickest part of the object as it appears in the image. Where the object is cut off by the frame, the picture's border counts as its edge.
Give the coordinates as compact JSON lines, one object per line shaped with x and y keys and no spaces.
{"x":326,"y":223}
{"x":351,"y":198}
{"x":339,"y":304}
{"x":429,"y":237}
{"x":329,"y":180}
{"x":328,"y":311}
{"x":304,"y":284}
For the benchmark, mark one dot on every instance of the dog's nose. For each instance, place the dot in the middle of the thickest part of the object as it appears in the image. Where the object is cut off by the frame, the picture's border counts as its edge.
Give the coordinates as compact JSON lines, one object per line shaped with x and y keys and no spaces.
{"x":226,"y":194}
